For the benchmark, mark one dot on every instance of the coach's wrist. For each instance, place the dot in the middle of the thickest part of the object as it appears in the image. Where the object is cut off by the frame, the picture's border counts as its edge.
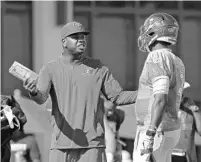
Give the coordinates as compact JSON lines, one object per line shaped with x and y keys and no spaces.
{"x":34,"y":93}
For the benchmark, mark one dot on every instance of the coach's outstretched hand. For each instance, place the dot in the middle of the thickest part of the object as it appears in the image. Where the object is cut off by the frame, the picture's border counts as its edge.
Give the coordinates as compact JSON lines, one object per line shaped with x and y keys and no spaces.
{"x":30,"y":85}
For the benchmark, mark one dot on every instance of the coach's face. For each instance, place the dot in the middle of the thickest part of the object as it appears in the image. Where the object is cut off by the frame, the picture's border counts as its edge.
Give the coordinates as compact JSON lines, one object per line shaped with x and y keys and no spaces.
{"x":75,"y":43}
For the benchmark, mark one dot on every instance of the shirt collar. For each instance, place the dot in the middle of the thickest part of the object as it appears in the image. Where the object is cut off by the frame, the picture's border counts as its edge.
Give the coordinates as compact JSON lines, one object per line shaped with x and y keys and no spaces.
{"x":162,"y":49}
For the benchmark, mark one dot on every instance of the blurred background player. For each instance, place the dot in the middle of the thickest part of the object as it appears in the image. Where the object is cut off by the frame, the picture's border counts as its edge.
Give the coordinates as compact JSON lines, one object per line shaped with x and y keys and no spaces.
{"x":190,"y":116}
{"x":12,"y":119}
{"x":160,"y":91}
{"x":112,"y":121}
{"x":24,"y":147}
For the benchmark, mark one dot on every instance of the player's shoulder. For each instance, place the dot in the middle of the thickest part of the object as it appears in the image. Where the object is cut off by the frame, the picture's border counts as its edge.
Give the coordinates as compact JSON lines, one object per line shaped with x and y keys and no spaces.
{"x":161,"y":55}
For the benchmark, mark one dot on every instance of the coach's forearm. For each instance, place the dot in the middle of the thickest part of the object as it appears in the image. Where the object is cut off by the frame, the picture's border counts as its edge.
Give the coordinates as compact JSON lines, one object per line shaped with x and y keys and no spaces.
{"x":126,"y":97}
{"x":39,"y":97}
{"x":158,"y":109}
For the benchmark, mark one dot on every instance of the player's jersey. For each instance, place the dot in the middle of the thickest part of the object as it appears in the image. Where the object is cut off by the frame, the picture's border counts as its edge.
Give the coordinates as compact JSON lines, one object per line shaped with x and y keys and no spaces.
{"x":160,"y":63}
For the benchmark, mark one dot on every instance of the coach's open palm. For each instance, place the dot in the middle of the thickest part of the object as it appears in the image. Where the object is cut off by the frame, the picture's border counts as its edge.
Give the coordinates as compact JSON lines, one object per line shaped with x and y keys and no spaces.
{"x":30,"y":85}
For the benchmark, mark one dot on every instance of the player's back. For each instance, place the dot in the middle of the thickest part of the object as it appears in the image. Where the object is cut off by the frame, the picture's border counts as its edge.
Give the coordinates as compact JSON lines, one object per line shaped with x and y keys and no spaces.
{"x":159,"y":64}
{"x":170,"y":119}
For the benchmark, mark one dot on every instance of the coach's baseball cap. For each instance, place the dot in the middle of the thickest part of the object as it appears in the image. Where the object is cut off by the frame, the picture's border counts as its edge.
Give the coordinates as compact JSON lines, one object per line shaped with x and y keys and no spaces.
{"x":73,"y":28}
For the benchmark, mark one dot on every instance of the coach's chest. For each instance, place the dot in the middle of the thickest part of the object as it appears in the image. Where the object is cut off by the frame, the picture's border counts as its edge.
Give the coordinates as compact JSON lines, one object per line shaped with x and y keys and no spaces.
{"x":85,"y":77}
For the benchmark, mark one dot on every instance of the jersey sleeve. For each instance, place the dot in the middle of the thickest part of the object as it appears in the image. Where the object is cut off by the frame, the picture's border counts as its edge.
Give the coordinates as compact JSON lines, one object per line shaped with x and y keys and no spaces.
{"x":159,"y":68}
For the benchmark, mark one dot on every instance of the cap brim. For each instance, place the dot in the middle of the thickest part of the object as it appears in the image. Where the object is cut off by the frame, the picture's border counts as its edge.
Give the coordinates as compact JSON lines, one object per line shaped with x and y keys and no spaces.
{"x":83,"y":32}
{"x":86,"y":32}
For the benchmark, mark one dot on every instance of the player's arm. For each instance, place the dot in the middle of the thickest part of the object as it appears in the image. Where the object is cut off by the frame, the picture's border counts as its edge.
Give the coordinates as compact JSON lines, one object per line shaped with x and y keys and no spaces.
{"x":39,"y":89}
{"x":112,"y":90}
{"x":160,"y":91}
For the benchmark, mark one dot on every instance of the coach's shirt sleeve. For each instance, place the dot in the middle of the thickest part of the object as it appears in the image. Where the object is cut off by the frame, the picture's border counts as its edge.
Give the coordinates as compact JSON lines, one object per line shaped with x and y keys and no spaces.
{"x":43,"y":85}
{"x":114,"y":92}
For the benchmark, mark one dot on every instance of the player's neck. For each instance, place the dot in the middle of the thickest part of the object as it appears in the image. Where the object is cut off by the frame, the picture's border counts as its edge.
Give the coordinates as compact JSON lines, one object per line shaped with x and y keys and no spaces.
{"x":159,"y":46}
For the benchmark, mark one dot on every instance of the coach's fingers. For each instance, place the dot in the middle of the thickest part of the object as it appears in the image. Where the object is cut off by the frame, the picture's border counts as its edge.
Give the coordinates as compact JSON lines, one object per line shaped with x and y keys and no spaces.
{"x":32,"y":85}
{"x":25,"y":82}
{"x":33,"y":89}
{"x":29,"y":84}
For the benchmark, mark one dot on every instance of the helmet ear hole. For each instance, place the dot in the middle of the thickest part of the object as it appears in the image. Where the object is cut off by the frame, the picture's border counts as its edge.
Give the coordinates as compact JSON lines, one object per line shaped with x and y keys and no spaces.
{"x":151,"y":34}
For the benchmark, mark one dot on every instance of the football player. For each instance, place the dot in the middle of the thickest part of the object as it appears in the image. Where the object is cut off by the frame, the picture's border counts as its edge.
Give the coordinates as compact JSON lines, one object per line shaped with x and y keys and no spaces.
{"x":160,"y":90}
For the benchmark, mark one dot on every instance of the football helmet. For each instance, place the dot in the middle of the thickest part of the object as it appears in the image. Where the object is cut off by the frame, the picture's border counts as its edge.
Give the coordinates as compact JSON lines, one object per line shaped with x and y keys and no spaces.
{"x":160,"y":27}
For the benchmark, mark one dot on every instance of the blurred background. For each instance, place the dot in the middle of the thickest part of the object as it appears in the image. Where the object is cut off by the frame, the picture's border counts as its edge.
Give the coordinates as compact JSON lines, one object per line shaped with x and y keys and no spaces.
{"x":30,"y":34}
